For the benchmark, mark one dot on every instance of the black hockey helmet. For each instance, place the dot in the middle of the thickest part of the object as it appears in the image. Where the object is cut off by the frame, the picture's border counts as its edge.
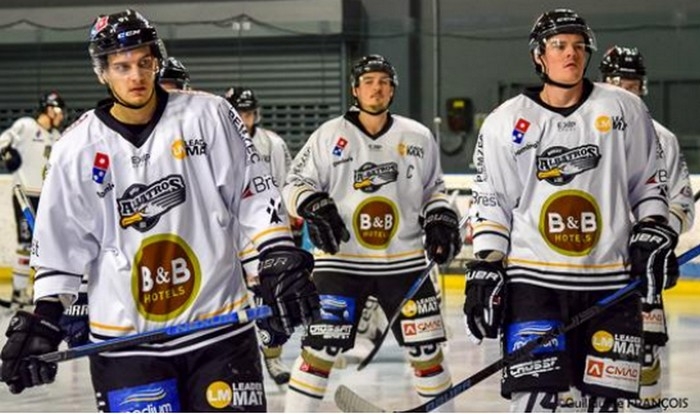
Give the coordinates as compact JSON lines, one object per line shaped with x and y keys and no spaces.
{"x":626,"y":63}
{"x":242,"y":98}
{"x":560,"y":21}
{"x":119,"y":32}
{"x":372,"y":63}
{"x":174,"y":71}
{"x":51,"y":99}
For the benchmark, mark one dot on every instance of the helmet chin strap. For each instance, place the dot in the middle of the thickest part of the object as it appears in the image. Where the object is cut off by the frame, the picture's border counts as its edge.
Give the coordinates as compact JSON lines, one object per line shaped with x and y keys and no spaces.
{"x":374,"y":113}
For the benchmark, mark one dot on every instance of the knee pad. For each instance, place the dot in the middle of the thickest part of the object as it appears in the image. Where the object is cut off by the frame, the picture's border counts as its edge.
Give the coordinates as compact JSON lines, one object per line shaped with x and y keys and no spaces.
{"x":430,"y":376}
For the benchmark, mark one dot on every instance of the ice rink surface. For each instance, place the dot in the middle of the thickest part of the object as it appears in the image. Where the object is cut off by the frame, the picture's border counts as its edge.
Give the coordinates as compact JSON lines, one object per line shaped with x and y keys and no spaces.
{"x":387,"y":381}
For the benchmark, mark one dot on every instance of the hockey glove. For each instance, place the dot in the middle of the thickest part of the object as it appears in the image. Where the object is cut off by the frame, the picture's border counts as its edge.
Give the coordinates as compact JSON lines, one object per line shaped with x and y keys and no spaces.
{"x":326,"y":228}
{"x":483,"y":306}
{"x":11,"y":158}
{"x":651,"y":252}
{"x":27,"y":335}
{"x":442,"y":239}
{"x":286,"y":286}
{"x":269,"y":336}
{"x":75,"y":322}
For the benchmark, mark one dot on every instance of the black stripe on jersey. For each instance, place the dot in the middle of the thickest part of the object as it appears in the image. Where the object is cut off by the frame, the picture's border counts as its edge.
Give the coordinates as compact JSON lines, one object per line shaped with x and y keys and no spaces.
{"x":179,"y":342}
{"x":286,"y":240}
{"x":567,"y":280}
{"x":430,"y":203}
{"x":363,"y":269}
{"x":491,"y":232}
{"x":41,"y":275}
{"x":246,"y":261}
{"x":364,"y":262}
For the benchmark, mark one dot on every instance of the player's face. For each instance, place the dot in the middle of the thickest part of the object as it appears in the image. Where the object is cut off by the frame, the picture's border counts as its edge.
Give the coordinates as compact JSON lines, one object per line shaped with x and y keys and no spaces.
{"x":565,"y":57}
{"x":374,"y":91}
{"x":248,"y":118}
{"x":56,"y":115}
{"x":131,"y":75}
{"x":632,"y":85}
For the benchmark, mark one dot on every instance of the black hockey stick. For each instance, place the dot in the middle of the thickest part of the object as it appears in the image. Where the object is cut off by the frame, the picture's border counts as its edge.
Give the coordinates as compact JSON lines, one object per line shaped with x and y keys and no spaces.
{"x":349,"y":401}
{"x":411,"y":292}
{"x":242,"y":316}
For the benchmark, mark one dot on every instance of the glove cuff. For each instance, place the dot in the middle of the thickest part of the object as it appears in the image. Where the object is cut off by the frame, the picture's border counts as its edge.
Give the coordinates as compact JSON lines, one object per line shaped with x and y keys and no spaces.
{"x":25,"y":322}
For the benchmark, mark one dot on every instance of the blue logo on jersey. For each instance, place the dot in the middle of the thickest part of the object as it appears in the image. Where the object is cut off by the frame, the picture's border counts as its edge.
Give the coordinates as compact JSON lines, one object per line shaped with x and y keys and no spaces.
{"x":156,"y":397}
{"x":337,"y":308}
{"x":520,"y":333}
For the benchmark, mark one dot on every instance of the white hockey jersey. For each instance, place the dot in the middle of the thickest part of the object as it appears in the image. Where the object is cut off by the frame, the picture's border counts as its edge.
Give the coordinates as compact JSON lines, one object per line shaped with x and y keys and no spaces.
{"x":33,"y":143}
{"x":273,"y":150}
{"x":680,"y":192}
{"x":381,"y":185}
{"x":154,"y":219}
{"x":554,"y":190}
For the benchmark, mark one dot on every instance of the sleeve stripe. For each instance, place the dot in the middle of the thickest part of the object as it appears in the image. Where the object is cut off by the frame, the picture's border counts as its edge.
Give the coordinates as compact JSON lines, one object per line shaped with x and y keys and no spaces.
{"x":42,"y":274}
{"x":275,"y":241}
{"x":494,"y":233}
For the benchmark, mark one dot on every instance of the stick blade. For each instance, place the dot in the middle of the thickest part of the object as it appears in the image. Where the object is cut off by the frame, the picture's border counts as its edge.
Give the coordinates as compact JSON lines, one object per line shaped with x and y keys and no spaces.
{"x":350,"y":402}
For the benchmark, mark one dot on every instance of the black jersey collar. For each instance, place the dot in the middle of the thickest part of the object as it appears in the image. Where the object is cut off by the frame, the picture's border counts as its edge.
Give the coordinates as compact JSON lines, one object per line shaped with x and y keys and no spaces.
{"x":135,"y":134}
{"x":534,"y":94}
{"x":353,"y":116}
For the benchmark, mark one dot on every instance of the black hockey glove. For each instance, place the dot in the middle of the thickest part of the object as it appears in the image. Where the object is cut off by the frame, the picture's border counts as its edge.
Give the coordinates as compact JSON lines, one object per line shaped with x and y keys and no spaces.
{"x":269,"y":336}
{"x":11,"y":158}
{"x":651,"y":247}
{"x":27,"y":335}
{"x":483,"y":305}
{"x":326,"y":228}
{"x":75,"y":322}
{"x":286,"y":286}
{"x":442,"y":239}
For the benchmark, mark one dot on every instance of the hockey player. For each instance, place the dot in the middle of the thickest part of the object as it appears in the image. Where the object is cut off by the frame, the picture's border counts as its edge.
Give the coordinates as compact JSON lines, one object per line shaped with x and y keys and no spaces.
{"x":624,"y":67}
{"x":561,"y":169}
{"x":25,"y":148}
{"x":174,"y":75}
{"x":273,"y":150}
{"x":147,"y":193}
{"x":369,"y":184}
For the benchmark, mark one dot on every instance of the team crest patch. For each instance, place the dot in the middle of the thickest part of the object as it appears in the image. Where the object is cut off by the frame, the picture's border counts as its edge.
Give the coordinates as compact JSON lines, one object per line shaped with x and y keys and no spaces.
{"x":142,"y":205}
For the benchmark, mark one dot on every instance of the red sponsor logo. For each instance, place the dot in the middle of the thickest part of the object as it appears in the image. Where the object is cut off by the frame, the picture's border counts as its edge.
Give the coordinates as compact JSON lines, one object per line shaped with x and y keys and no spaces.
{"x":595,"y":368}
{"x":409,"y":329}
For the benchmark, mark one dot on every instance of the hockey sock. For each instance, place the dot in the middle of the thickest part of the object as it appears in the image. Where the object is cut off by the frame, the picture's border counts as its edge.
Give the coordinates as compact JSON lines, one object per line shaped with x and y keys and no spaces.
{"x":20,"y":273}
{"x":430,"y":375}
{"x":650,"y":384}
{"x":309,"y":380}
{"x":271,"y":352}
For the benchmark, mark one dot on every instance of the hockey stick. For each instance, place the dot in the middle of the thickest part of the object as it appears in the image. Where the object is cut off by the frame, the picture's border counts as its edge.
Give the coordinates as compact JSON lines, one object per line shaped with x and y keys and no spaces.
{"x":349,"y":401}
{"x":242,"y":316}
{"x":411,"y":292}
{"x":28,"y":213}
{"x":25,"y":205}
